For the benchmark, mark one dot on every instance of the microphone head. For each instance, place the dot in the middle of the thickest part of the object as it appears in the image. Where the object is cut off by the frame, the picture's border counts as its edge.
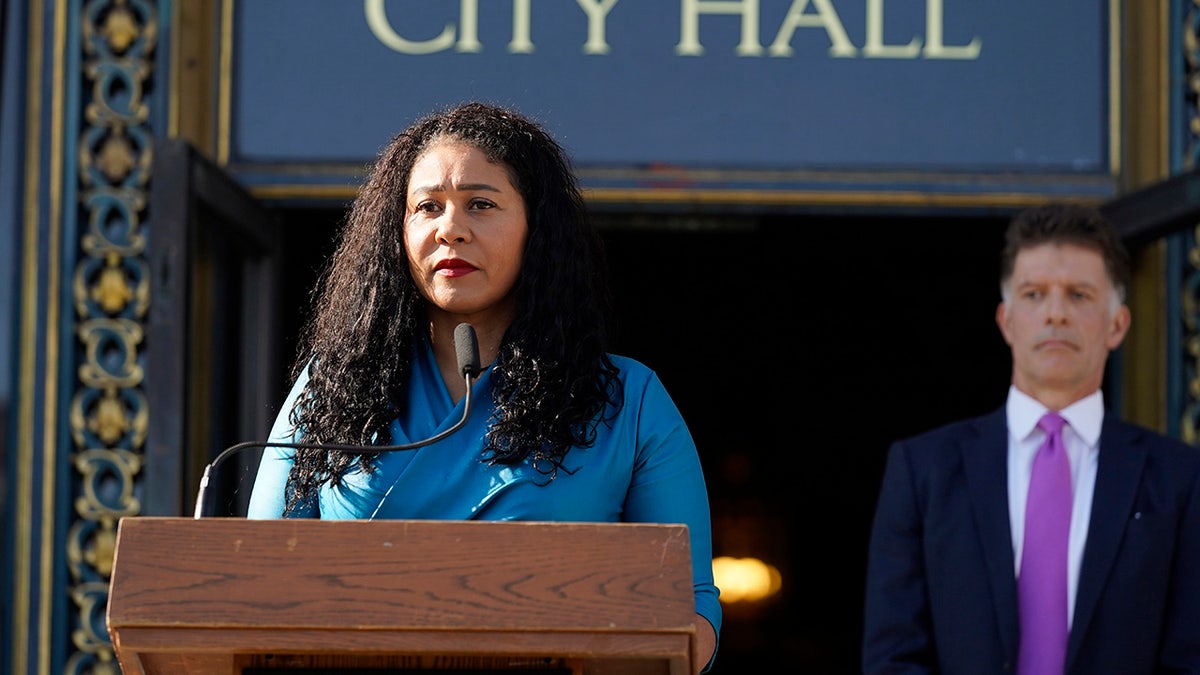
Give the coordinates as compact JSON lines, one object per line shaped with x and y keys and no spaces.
{"x":466,"y":347}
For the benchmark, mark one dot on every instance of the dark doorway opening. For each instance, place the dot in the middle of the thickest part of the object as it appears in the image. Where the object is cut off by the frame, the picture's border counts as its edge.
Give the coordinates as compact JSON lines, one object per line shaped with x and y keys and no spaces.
{"x":798,"y":348}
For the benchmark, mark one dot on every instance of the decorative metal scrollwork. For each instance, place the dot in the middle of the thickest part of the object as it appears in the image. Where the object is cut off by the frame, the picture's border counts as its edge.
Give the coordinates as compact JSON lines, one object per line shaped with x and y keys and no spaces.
{"x":1189,"y":284}
{"x":1190,"y":281}
{"x":111,"y":295}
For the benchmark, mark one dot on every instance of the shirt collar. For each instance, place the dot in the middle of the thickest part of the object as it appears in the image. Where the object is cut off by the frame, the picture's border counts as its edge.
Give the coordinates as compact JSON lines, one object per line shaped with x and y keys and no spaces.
{"x":1084,"y":416}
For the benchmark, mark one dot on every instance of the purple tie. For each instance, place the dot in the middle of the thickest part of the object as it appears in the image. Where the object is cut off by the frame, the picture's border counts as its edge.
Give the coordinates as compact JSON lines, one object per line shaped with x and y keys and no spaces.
{"x":1042,"y":584}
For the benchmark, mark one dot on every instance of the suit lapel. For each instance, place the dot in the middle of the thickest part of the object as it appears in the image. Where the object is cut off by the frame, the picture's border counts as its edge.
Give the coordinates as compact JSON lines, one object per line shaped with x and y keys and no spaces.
{"x":1117,"y":475}
{"x":985,"y":458}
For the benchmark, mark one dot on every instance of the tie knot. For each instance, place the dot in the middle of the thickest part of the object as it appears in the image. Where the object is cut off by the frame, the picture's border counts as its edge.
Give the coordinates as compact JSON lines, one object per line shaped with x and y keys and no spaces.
{"x":1051,"y":423}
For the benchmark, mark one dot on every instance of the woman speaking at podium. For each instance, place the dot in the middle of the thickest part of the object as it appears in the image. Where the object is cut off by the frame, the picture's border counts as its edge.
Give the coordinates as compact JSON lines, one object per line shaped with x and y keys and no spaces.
{"x":473,"y":215}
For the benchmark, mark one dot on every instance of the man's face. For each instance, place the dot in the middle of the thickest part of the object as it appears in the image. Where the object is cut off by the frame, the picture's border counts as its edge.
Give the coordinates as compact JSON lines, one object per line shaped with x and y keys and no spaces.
{"x":1061,"y":316}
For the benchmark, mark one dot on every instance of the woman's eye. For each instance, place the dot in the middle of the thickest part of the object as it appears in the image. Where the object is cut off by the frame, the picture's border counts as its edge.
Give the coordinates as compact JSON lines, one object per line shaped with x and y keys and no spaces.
{"x":481,"y":204}
{"x":427,"y":207}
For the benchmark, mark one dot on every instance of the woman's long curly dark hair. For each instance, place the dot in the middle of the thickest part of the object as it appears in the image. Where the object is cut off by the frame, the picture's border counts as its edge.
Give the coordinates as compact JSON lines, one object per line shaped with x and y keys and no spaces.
{"x":554,"y":382}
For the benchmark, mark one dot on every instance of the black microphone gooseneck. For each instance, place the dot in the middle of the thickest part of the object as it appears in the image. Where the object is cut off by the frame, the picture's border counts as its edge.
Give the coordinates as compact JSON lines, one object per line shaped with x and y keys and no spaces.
{"x":466,"y":348}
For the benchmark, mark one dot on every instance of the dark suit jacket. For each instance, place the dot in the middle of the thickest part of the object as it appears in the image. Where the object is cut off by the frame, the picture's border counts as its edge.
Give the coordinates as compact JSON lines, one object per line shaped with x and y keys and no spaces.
{"x":941,"y":595}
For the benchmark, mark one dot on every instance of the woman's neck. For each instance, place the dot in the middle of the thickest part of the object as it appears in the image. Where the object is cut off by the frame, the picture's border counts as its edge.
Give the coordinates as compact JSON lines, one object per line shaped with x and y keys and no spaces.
{"x":488,"y":334}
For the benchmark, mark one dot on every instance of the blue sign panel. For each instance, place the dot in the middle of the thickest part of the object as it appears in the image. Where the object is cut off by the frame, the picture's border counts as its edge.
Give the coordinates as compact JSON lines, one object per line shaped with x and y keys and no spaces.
{"x":876,"y":95}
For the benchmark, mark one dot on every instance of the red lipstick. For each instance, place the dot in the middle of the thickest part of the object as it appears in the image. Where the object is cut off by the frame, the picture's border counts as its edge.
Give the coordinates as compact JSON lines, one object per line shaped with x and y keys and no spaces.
{"x":454,"y":267}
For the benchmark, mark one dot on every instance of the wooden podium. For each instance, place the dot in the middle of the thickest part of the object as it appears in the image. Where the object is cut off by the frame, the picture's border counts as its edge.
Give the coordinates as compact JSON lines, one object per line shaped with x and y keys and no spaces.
{"x":308,"y":597}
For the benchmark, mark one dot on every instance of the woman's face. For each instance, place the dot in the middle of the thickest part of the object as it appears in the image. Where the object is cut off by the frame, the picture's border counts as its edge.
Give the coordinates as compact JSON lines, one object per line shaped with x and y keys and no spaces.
{"x":465,"y":231}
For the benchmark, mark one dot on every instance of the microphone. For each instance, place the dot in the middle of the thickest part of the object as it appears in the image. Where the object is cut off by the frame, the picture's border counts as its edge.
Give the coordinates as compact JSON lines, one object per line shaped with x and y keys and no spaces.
{"x":466,"y":349}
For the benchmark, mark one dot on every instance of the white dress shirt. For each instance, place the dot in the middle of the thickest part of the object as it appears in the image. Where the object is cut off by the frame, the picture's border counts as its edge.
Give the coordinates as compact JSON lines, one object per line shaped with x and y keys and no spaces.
{"x":1081,"y":436}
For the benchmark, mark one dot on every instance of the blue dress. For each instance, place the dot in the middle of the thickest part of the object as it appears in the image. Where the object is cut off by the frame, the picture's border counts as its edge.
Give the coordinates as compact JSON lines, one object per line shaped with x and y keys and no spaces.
{"x":644,"y":467}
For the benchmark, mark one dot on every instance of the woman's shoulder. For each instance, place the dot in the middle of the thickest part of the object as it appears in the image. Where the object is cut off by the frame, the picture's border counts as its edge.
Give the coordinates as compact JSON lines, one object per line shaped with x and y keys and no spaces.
{"x":637,"y":379}
{"x":630,"y":368}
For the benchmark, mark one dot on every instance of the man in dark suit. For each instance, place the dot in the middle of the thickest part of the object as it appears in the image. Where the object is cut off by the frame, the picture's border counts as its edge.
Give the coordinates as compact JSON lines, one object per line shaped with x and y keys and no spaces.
{"x":950,"y":538}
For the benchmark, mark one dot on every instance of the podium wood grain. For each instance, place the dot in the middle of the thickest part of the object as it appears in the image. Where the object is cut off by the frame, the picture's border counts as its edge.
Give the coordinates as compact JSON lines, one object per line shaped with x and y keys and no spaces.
{"x":222,"y":595}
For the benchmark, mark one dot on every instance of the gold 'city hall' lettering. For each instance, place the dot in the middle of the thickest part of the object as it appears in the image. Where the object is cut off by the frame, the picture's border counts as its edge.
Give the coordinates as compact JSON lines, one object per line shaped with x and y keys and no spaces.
{"x":819,"y":14}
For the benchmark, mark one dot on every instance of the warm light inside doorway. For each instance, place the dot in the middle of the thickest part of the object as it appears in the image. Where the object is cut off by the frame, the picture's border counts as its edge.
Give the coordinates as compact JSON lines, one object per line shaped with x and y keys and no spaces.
{"x":745,"y":579}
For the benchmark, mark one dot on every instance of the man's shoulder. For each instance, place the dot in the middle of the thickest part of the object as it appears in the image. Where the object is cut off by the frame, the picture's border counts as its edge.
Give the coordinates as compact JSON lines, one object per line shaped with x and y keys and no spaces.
{"x":956,"y":431}
{"x":1135,"y":435}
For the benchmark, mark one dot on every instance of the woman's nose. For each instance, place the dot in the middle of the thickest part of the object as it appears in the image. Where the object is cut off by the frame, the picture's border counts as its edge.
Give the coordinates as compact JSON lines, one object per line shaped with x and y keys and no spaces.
{"x":452,"y":228}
